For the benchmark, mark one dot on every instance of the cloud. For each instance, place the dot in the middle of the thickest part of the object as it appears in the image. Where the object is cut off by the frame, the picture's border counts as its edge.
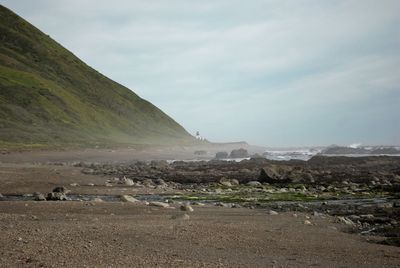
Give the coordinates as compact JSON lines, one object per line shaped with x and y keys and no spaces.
{"x":269,"y":72}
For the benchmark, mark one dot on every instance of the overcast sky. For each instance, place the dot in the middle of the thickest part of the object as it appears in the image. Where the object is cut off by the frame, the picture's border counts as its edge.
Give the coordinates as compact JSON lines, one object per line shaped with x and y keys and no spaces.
{"x":275,"y":73}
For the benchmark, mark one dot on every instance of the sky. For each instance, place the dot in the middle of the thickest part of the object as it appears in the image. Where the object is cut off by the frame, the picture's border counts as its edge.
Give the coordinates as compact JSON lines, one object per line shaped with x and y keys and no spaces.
{"x":272,"y":73}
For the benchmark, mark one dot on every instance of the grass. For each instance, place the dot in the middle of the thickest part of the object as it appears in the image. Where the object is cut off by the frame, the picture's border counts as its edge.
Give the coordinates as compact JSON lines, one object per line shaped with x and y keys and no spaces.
{"x":51,"y":98}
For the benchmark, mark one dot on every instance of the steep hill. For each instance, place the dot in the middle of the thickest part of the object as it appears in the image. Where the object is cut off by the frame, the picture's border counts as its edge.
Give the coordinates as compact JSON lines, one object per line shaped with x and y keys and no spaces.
{"x":49,"y":97}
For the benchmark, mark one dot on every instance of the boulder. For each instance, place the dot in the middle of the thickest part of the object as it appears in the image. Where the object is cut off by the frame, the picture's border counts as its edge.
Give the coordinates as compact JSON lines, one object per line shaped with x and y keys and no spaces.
{"x":221,"y":155}
{"x":271,"y":175}
{"x":239,"y":153}
{"x":56,"y":196}
{"x":59,"y":189}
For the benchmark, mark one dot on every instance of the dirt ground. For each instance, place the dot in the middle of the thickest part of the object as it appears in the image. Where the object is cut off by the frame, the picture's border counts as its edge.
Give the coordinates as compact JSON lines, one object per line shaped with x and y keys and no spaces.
{"x":116,"y":234}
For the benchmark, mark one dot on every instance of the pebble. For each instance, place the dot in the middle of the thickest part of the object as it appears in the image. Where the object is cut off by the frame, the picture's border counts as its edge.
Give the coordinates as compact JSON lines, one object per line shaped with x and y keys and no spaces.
{"x":307,"y":222}
{"x":187,"y":207}
{"x":273,"y":212}
{"x":128,"y":198}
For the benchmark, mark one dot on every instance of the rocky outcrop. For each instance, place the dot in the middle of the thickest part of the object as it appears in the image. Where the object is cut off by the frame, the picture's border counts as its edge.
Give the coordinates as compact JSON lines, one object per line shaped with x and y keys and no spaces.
{"x":239,"y":153}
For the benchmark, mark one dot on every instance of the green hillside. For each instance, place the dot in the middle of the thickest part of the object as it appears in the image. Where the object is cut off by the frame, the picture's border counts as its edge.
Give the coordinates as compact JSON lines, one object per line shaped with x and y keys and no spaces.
{"x":50,"y":98}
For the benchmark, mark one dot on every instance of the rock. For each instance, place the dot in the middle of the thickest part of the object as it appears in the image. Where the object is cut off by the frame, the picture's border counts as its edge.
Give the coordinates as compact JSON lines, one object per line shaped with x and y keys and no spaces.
{"x":88,"y":171}
{"x":60,"y":189}
{"x":198,"y":204}
{"x":56,"y":196}
{"x":272,"y":212}
{"x":126,"y":181}
{"x":39,"y":196}
{"x":160,"y":182}
{"x":148,"y":182}
{"x":74,"y":184}
{"x":225,"y":182}
{"x":253,"y":183}
{"x":234,"y":182}
{"x":239,"y":153}
{"x":187,"y":207}
{"x":221,"y":155}
{"x":317,"y":214}
{"x":218,"y":190}
{"x":346,"y":221}
{"x":98,"y":200}
{"x":90,"y":184}
{"x":367,"y":216}
{"x":270,"y":175}
{"x":2,"y":198}
{"x":159,"y":204}
{"x":128,"y":198}
{"x":307,"y":222}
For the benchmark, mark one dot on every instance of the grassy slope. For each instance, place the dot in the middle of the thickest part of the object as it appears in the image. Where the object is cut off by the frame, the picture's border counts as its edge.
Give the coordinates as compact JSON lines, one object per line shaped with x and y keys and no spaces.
{"x":48,"y":97}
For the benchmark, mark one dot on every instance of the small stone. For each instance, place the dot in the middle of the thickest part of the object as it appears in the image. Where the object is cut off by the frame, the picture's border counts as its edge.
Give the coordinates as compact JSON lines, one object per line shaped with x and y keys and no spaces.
{"x":254,"y":183}
{"x":198,"y":204}
{"x":346,"y":221}
{"x":317,"y":214}
{"x":159,"y":204}
{"x":128,"y":198}
{"x":273,"y":212}
{"x":234,"y":182}
{"x":187,"y":207}
{"x":97,"y":199}
{"x":90,"y":184}
{"x":74,"y":184}
{"x":307,"y":222}
{"x":126,"y":181}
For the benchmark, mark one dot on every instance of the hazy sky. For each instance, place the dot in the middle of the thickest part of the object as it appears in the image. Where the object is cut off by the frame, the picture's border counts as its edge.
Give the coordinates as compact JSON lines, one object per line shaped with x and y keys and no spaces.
{"x":298,"y":72}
